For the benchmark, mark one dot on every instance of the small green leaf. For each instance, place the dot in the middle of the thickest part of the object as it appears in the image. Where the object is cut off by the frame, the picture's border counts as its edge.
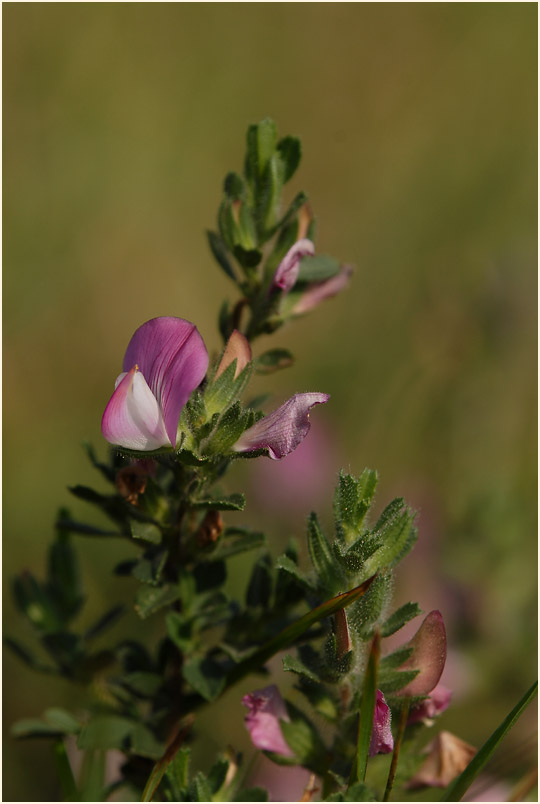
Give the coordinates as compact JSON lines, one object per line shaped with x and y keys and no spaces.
{"x":144,"y":743}
{"x":150,"y":599}
{"x":62,"y":720}
{"x":142,"y":683}
{"x":295,"y":665}
{"x":261,"y":142}
{"x":286,"y":564}
{"x":217,"y":775}
{"x":105,"y":732}
{"x":106,"y":621}
{"x":178,"y":773}
{"x":205,"y":676}
{"x":273,"y":360}
{"x":200,"y":790}
{"x":398,"y":619}
{"x":246,"y":540}
{"x":260,"y":584}
{"x":290,"y":154}
{"x":303,"y":738}
{"x":33,"y":727}
{"x":317,"y":268}
{"x":146,"y":532}
{"x":457,"y":789}
{"x":327,"y":569}
{"x":233,"y":502}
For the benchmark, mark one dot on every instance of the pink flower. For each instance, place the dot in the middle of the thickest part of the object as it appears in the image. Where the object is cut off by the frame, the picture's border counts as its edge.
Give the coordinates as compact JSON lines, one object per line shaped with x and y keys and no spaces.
{"x":287,"y":274}
{"x":165,"y":361}
{"x":287,"y":270}
{"x":428,"y":656}
{"x":382,"y":741}
{"x":266,"y":709}
{"x":438,"y":701}
{"x":284,"y":429}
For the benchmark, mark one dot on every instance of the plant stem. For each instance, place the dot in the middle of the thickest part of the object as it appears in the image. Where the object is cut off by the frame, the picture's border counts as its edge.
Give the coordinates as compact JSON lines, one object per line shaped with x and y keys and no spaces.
{"x":397,"y":745}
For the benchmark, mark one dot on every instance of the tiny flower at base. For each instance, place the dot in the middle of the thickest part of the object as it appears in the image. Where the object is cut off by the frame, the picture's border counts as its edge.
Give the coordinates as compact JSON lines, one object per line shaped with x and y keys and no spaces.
{"x":438,"y":701}
{"x":166,"y":360}
{"x":317,"y":292}
{"x":266,"y":709}
{"x":382,"y":741}
{"x":287,"y":270}
{"x":283,"y":430}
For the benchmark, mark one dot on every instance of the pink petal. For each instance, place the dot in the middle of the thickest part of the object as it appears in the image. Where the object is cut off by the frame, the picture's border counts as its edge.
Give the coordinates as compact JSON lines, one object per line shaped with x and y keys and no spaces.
{"x":438,"y":701}
{"x":284,"y":429}
{"x":428,"y":656}
{"x":287,"y":270}
{"x":318,"y":291}
{"x":267,"y":708}
{"x":173,"y":358}
{"x":382,"y":741}
{"x":238,"y":349}
{"x":133,"y":418}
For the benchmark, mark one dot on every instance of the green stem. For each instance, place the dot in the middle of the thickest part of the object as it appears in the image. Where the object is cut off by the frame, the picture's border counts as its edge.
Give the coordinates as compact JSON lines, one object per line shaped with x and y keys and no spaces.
{"x":397,"y":745}
{"x":365,"y":716}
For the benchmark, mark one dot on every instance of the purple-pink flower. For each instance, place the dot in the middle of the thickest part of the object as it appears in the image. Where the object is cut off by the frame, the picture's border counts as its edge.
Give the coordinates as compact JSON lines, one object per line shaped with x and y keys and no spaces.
{"x":165,"y":361}
{"x":426,"y":710}
{"x":287,"y":270}
{"x":281,"y":431}
{"x":266,"y":709}
{"x":382,"y":741}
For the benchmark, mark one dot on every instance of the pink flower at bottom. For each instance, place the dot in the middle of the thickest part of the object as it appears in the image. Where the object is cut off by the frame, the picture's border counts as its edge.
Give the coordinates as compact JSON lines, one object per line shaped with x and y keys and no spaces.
{"x":266,"y":709}
{"x":382,"y":741}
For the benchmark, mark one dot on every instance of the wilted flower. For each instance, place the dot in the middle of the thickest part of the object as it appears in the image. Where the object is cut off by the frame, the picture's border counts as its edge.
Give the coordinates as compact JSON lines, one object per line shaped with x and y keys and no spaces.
{"x":448,"y":757}
{"x":314,"y":293}
{"x":382,"y":741}
{"x":281,"y":431}
{"x":266,"y":709}
{"x":426,"y":710}
{"x":238,"y":349}
{"x":287,"y":270}
{"x":428,"y":656}
{"x":165,"y":361}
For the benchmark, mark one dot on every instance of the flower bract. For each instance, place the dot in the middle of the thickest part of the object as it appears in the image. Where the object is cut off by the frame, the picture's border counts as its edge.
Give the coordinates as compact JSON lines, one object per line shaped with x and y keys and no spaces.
{"x":382,"y":741}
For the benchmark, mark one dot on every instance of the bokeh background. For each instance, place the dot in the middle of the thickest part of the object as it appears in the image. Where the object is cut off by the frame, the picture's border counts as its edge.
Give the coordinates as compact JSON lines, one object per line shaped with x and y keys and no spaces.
{"x":419,"y":129}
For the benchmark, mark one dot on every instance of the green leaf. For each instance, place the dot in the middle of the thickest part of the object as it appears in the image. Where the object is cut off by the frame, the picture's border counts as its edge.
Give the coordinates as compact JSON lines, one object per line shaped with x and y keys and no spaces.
{"x":247,"y":257}
{"x":34,"y":601}
{"x":109,"y":472}
{"x":303,"y":738}
{"x":223,"y":391}
{"x":217,"y":775}
{"x":366,"y":611}
{"x":231,"y":426}
{"x":220,"y":253}
{"x":84,"y":529}
{"x":63,"y":578}
{"x":105,"y":732}
{"x":290,"y":634}
{"x":290,"y":154}
{"x":26,"y":656}
{"x":142,"y":683}
{"x":178,"y":773}
{"x":199,"y":789}
{"x":205,"y":676}
{"x":398,"y":619}
{"x":260,"y":584}
{"x":352,"y":500}
{"x":327,"y":569}
{"x":286,"y":564}
{"x":246,"y":540}
{"x":62,"y":720}
{"x":398,"y":538}
{"x":149,"y":568}
{"x":150,"y":599}
{"x":144,"y":743}
{"x":273,"y":360}
{"x":457,"y":789}
{"x":317,"y":268}
{"x":146,"y":532}
{"x":233,"y":502}
{"x":261,"y":142}
{"x":252,"y":794}
{"x":34,"y":727}
{"x":295,"y":665}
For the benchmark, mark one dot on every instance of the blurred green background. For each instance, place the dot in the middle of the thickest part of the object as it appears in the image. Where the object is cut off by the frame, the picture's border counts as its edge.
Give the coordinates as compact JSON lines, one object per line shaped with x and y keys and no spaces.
{"x":419,"y":129}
